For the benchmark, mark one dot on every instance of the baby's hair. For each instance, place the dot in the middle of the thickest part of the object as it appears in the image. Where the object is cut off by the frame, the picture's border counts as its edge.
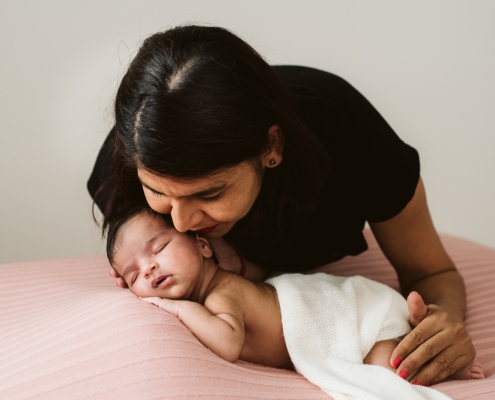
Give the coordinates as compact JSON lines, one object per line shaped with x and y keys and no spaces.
{"x":124,"y":216}
{"x":131,"y":212}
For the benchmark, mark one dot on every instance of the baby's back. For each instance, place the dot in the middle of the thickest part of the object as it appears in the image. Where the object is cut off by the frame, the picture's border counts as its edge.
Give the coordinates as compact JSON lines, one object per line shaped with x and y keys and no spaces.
{"x":264,"y":340}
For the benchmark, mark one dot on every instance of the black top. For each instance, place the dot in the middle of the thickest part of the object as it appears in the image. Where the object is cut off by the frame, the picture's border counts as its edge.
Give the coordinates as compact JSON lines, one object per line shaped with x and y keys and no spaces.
{"x":372,"y":178}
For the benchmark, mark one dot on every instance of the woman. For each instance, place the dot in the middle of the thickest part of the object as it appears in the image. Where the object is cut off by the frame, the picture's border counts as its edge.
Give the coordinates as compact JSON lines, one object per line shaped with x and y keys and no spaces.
{"x":286,"y":163}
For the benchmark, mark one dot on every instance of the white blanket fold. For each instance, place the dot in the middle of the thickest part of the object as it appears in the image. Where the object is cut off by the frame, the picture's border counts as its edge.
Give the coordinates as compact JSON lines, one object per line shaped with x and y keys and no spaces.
{"x":330,"y":324}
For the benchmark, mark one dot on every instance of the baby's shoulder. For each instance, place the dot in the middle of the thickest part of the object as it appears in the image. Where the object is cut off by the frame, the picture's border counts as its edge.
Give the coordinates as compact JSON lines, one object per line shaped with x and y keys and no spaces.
{"x":234,"y":290}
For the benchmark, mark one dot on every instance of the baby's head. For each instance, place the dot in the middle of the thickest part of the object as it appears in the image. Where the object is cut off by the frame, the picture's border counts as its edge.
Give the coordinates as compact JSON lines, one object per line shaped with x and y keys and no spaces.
{"x":153,"y":258}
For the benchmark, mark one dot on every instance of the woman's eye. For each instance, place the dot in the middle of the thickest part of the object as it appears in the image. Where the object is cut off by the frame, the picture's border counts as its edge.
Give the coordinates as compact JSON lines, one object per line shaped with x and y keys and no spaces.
{"x":210,"y":199}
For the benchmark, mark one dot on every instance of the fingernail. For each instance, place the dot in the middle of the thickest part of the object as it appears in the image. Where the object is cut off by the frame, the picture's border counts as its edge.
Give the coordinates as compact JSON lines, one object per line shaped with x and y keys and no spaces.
{"x":417,"y":383}
{"x":397,"y":362}
{"x":403,"y":374}
{"x":428,"y":384}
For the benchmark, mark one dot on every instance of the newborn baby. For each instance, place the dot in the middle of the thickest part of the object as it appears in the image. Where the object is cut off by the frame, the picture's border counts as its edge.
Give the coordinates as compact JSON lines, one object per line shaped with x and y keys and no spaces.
{"x":232,"y":316}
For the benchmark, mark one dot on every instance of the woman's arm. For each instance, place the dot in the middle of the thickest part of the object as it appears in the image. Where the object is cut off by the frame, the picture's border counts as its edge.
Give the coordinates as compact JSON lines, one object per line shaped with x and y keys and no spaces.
{"x":229,"y":260}
{"x":411,"y":243}
{"x":220,"y":327}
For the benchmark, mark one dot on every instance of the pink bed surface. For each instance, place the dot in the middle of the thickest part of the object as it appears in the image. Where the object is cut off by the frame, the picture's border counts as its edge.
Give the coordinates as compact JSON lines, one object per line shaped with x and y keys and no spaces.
{"x":66,"y":332}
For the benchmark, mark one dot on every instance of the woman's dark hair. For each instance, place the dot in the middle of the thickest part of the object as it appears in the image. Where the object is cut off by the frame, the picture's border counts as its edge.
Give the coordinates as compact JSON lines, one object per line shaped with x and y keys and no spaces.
{"x":196,"y":100}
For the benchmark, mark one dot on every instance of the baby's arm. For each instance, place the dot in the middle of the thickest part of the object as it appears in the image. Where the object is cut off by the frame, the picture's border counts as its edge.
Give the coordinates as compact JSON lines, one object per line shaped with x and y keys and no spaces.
{"x":219,"y":325}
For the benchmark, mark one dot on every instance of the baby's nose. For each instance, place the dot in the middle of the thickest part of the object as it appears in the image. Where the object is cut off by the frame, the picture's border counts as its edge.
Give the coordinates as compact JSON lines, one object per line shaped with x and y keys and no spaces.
{"x":149,"y":270}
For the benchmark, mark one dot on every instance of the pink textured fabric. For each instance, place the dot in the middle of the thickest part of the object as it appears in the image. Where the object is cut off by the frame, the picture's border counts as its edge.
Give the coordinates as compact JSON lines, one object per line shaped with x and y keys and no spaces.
{"x":66,"y":332}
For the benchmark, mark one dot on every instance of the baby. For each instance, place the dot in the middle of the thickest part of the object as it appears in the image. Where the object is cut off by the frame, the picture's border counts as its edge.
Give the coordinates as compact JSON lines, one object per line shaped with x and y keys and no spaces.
{"x":232,"y":316}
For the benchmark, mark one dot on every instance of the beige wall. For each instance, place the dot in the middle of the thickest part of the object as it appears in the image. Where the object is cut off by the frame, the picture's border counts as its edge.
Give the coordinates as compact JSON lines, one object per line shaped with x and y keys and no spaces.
{"x":427,"y":66}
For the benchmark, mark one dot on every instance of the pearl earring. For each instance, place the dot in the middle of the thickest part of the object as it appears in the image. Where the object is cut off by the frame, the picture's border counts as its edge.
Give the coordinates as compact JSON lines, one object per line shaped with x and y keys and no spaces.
{"x":272,"y":163}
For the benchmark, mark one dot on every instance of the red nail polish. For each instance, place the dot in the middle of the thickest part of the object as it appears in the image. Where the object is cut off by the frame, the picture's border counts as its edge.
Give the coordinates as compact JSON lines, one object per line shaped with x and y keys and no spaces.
{"x":403,"y":374}
{"x":428,"y":384}
{"x":417,"y":383}
{"x":397,"y":362}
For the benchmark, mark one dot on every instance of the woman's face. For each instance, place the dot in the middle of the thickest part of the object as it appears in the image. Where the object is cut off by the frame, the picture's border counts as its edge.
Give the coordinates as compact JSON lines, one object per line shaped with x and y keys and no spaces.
{"x":209,"y":206}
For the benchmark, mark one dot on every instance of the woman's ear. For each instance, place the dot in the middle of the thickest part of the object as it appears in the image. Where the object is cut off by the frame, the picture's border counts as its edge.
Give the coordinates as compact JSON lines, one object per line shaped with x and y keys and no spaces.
{"x":274,"y":155}
{"x":205,"y":246}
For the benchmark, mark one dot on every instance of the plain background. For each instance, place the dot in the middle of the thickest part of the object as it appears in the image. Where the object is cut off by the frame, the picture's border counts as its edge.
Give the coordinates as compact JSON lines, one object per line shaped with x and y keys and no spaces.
{"x":428,"y":66}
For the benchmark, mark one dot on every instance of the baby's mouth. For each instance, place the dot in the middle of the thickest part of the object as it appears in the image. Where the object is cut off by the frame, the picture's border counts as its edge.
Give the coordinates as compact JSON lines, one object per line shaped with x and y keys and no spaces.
{"x":161,"y":281}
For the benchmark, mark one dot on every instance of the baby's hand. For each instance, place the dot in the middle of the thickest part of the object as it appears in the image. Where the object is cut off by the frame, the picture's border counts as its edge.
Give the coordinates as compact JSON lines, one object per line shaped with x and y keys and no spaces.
{"x":171,"y":306}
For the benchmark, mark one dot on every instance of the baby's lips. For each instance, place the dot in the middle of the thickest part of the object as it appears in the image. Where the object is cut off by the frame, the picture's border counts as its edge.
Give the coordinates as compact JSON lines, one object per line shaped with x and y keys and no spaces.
{"x":157,"y":281}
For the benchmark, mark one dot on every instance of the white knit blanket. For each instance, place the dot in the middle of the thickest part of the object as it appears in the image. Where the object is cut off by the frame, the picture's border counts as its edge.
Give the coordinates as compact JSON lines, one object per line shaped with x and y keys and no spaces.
{"x":330,"y":324}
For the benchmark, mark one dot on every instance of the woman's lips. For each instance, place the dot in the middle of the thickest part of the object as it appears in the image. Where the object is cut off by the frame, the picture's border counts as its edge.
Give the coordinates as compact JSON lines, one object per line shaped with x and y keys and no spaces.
{"x":162,"y":281}
{"x":205,"y":231}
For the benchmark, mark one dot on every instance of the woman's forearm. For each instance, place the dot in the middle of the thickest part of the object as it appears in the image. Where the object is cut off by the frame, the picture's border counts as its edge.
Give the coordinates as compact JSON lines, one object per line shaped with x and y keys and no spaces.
{"x":445,"y":289}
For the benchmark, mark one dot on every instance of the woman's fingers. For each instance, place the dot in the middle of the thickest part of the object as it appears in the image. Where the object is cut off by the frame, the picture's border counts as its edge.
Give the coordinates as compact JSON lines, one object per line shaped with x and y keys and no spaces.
{"x":441,"y":367}
{"x":417,"y":308}
{"x":410,"y":350}
{"x":434,"y":350}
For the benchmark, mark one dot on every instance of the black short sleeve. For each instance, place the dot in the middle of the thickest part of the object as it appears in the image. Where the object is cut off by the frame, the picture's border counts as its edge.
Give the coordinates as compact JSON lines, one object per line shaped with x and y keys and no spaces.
{"x":375,"y":169}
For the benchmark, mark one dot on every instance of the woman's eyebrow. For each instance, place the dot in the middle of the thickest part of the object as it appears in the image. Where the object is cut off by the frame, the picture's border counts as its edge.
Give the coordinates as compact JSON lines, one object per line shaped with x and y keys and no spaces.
{"x":205,"y":192}
{"x":150,"y":188}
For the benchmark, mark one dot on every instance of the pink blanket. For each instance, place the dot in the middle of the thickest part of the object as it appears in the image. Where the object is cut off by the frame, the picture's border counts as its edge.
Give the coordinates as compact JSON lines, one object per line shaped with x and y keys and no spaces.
{"x":66,"y":332}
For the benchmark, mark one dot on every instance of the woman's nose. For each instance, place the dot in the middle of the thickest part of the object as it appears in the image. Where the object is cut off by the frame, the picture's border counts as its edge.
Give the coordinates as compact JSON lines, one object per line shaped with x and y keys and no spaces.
{"x":185,"y":217}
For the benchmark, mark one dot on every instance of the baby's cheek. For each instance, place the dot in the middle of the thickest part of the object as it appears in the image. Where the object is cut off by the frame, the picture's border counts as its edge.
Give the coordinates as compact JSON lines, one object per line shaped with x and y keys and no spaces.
{"x":142,"y":291}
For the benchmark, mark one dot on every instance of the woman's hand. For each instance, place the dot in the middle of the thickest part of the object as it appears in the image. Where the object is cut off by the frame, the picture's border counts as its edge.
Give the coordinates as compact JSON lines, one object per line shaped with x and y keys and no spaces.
{"x":438,"y":345}
{"x":228,"y":259}
{"x":118,"y":280}
{"x":226,"y":254}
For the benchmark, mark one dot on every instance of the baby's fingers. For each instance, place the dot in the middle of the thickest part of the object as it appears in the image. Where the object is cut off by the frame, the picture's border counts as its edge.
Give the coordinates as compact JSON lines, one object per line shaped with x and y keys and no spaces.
{"x":152,"y":300}
{"x":118,"y":280}
{"x":171,"y":306}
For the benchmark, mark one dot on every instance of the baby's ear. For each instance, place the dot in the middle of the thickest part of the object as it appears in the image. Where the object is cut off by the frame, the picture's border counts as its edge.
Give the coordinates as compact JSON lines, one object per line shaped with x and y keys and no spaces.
{"x":205,"y":246}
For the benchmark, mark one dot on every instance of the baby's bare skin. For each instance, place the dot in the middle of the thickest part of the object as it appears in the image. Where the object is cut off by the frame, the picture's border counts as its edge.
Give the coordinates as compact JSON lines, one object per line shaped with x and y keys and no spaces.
{"x":264,"y":339}
{"x":232,"y":316}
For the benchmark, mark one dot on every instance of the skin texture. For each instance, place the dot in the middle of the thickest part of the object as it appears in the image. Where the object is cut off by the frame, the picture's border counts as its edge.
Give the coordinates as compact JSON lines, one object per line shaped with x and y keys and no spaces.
{"x":438,"y":345}
{"x":240,"y":186}
{"x":147,"y":249}
{"x":232,"y":316}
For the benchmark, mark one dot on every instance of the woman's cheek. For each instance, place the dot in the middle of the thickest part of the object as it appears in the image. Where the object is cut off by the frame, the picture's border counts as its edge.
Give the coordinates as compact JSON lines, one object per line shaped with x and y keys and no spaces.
{"x":158,"y":205}
{"x":227,"y":211}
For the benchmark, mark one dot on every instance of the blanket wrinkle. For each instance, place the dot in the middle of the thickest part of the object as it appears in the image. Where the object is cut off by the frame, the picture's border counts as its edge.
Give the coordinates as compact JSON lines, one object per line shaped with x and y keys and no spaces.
{"x":330,"y":323}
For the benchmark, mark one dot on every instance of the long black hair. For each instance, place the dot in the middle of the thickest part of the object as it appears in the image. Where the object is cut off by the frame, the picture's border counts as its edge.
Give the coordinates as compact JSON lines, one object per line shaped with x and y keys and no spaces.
{"x":196,"y":100}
